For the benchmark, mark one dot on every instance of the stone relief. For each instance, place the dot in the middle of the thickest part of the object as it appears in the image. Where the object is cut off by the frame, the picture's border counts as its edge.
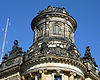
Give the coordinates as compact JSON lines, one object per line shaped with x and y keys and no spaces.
{"x":68,"y":52}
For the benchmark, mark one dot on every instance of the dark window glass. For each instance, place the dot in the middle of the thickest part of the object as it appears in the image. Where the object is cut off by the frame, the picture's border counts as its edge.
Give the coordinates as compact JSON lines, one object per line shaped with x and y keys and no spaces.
{"x":57,"y":77}
{"x":56,"y":29}
{"x":33,"y":79}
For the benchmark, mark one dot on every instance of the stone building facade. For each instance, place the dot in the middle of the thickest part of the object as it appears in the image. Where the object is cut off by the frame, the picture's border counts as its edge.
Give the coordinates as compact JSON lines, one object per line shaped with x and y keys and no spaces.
{"x":53,"y":55}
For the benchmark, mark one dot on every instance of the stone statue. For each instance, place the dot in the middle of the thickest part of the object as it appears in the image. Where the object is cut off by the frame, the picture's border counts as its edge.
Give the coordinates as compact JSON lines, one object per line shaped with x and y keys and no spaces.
{"x":15,"y":48}
{"x":49,"y":7}
{"x":5,"y":57}
{"x":87,"y":53}
{"x":94,"y":62}
{"x":88,"y":57}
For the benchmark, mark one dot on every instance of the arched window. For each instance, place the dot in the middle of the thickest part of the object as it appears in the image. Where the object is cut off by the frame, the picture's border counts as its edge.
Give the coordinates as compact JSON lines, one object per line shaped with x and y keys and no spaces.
{"x":56,"y":29}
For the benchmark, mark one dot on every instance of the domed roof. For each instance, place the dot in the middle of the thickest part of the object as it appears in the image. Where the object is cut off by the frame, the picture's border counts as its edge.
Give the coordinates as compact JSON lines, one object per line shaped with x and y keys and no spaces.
{"x":53,"y":11}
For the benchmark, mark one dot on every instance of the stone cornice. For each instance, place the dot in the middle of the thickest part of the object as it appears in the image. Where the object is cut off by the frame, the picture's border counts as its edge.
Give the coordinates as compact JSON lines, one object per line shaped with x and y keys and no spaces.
{"x":92,"y":75}
{"x":10,"y":71}
{"x":55,"y":59}
{"x":53,"y":14}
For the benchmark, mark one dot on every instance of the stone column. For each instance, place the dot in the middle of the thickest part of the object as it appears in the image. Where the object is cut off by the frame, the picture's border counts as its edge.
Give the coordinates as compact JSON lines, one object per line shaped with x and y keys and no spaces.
{"x":88,"y":79}
{"x":42,"y":75}
{"x":23,"y":78}
{"x":36,"y":78}
{"x":31,"y":75}
{"x":52,"y":76}
{"x":36,"y":34}
{"x":65,"y":77}
{"x":67,"y":31}
{"x":64,"y":30}
{"x":47,"y":29}
{"x":72,"y":76}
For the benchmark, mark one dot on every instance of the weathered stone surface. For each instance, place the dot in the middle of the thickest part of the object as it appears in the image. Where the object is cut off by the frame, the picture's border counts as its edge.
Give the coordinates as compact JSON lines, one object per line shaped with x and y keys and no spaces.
{"x":53,"y":55}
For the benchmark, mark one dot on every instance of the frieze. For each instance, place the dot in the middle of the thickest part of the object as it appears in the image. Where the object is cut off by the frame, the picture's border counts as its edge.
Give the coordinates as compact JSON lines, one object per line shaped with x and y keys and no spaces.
{"x":14,"y":61}
{"x":68,"y":52}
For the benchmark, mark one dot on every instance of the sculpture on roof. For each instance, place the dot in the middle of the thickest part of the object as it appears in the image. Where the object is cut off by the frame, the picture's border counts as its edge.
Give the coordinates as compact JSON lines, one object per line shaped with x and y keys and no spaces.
{"x":88,"y":57}
{"x":5,"y":57}
{"x":16,"y":49}
{"x":87,"y":53}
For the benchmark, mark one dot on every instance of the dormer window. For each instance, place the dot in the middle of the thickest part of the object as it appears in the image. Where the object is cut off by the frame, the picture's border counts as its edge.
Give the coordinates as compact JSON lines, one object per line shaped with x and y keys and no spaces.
{"x":56,"y":29}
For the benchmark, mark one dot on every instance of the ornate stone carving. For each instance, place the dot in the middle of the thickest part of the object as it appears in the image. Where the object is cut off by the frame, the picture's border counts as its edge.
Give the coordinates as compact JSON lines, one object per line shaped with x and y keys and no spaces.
{"x":14,"y":78}
{"x":26,"y":57}
{"x":5,"y":57}
{"x":52,"y":59}
{"x":87,"y":53}
{"x":44,"y":48}
{"x":88,"y":58}
{"x":53,"y":9}
{"x":15,"y":57}
{"x":9,"y":63}
{"x":71,"y":48}
{"x":49,"y":7}
{"x":16,"y":49}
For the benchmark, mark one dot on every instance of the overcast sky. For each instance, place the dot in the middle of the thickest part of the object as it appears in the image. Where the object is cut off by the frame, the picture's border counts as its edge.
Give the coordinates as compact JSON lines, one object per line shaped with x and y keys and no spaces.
{"x":21,"y":13}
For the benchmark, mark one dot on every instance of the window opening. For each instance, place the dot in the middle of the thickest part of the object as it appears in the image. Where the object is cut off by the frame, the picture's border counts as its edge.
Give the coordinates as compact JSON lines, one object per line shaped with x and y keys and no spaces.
{"x":57,"y":77}
{"x":56,"y":29}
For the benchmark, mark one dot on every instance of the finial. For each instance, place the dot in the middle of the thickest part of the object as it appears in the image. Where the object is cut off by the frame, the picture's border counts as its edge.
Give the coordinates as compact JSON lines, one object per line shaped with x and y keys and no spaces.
{"x":16,"y":49}
{"x":16,"y":42}
{"x":49,"y":6}
{"x":87,"y":52}
{"x":56,"y":8}
{"x":63,"y":8}
{"x":88,"y":48}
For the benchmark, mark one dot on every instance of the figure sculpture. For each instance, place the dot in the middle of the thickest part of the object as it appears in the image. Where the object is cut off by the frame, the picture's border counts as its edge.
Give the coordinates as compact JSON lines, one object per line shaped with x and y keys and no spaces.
{"x":16,"y":49}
